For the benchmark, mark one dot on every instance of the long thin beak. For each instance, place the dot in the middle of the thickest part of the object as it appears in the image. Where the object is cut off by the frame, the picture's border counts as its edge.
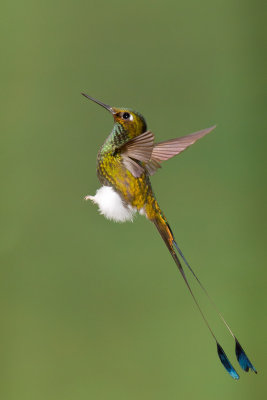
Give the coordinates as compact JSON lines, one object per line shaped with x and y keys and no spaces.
{"x":110,"y":109}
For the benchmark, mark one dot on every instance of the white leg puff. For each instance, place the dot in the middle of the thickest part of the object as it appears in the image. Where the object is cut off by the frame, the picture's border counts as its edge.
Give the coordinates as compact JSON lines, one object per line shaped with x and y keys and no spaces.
{"x":111,"y":205}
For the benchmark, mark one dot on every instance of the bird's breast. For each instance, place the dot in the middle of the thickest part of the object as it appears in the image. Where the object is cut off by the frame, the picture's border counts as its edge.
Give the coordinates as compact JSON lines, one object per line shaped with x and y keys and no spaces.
{"x":112,"y":172}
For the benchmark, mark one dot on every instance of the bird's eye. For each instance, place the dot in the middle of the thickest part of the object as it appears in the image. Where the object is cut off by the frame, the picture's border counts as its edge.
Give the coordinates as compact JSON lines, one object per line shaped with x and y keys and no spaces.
{"x":126,"y":115}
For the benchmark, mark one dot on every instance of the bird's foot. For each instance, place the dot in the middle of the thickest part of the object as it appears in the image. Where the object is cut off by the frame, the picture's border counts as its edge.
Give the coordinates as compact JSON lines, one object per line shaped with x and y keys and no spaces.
{"x":88,"y":197}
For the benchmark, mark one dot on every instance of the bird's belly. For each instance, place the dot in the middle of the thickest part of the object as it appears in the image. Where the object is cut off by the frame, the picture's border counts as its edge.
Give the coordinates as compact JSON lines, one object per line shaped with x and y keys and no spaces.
{"x":122,"y":195}
{"x":133,"y":191}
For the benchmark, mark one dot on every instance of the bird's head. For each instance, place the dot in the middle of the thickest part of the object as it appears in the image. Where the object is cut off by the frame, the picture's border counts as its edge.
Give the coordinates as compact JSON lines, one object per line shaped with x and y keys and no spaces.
{"x":131,"y":121}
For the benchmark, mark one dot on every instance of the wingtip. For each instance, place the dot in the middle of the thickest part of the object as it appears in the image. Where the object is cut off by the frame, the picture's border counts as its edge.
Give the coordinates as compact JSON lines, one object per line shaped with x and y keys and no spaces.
{"x":211,"y":128}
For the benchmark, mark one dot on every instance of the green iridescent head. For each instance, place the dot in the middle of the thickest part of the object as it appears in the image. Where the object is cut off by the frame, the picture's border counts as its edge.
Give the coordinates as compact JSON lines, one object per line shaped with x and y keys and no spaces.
{"x":131,"y":121}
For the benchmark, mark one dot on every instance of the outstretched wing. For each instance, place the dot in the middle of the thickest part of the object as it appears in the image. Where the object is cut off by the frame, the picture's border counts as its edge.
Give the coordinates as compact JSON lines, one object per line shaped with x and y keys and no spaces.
{"x":141,"y":154}
{"x":165,"y":150}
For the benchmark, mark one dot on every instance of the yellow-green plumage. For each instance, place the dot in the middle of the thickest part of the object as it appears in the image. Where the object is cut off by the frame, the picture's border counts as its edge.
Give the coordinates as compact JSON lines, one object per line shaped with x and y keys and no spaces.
{"x":124,"y":164}
{"x":110,"y":168}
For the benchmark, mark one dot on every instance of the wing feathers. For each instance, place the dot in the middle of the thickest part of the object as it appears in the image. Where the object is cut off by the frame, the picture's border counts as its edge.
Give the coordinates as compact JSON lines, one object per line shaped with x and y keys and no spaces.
{"x":140,"y":148}
{"x":152,"y":166}
{"x":132,"y":166}
{"x":165,"y":150}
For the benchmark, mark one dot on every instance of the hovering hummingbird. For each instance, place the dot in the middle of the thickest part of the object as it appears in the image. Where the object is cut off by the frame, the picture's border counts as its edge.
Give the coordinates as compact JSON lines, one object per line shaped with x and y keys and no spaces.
{"x":125,"y":163}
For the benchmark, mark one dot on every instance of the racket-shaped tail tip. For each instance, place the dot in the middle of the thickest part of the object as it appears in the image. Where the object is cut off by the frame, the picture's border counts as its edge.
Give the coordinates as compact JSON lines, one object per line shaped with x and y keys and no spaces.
{"x":242,"y":358}
{"x":226,"y":363}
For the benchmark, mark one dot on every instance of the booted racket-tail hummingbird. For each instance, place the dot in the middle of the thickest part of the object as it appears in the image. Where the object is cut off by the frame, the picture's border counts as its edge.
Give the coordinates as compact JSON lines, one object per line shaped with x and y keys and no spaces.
{"x":125,"y":162}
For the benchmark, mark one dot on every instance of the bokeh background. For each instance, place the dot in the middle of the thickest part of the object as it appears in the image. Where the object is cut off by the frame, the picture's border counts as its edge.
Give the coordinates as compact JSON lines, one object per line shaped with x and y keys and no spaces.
{"x":96,"y":310}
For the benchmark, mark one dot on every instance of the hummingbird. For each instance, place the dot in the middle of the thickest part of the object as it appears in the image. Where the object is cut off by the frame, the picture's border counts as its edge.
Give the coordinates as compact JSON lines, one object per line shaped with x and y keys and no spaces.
{"x":125,"y":163}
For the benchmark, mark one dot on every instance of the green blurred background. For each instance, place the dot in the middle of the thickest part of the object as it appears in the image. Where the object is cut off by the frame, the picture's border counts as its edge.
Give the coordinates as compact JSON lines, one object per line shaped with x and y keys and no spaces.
{"x":96,"y":310}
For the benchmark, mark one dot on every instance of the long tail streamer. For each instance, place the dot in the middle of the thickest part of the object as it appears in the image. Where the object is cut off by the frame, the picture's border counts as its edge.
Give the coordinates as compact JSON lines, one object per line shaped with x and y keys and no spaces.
{"x":167,"y":235}
{"x":241,"y":356}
